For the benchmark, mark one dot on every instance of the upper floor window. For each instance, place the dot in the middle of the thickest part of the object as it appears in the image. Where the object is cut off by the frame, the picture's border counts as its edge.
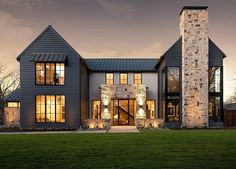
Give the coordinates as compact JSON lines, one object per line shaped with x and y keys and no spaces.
{"x":109,"y":78}
{"x":50,"y":73}
{"x":173,"y":79}
{"x":123,"y":78}
{"x":214,"y":79}
{"x":137,"y":78}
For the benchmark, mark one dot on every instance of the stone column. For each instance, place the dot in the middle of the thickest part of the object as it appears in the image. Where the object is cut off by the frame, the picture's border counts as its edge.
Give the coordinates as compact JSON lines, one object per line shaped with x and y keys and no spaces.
{"x":194,"y":32}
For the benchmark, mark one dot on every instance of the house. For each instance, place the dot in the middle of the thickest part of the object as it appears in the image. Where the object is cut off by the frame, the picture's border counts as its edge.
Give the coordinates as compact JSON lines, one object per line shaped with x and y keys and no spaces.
{"x":61,"y":89}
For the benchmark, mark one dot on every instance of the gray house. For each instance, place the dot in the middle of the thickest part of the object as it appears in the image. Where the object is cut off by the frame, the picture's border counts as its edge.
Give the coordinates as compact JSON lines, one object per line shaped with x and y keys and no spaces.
{"x":61,"y":89}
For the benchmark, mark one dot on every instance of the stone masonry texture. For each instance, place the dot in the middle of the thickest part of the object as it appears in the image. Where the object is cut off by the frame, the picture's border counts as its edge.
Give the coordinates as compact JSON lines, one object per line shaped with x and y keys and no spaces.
{"x":194,"y":32}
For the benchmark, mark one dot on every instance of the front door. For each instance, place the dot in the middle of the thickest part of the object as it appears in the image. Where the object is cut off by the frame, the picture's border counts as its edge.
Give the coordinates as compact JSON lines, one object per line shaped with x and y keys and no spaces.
{"x":123,"y":112}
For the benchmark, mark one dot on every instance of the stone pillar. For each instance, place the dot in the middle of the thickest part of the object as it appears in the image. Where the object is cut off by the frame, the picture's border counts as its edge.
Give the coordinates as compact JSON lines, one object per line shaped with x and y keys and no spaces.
{"x":194,"y":32}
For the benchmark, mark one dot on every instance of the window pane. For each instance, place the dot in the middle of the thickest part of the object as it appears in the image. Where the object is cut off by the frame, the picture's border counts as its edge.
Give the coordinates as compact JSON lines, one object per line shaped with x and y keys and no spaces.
{"x":150,"y":113}
{"x":137,"y":78}
{"x":109,"y":78}
{"x":50,"y":108}
{"x":60,"y":109}
{"x":13,"y":104}
{"x":214,"y":79}
{"x":214,"y":108}
{"x":173,"y":79}
{"x":60,"y":74}
{"x":123,"y":78}
{"x":96,"y":109}
{"x":50,"y":71}
{"x":173,"y":108}
{"x":40,"y":73}
{"x":40,"y":108}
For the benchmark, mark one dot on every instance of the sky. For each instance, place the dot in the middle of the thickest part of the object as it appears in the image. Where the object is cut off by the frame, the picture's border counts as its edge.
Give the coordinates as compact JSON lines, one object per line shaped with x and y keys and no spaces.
{"x":113,"y":28}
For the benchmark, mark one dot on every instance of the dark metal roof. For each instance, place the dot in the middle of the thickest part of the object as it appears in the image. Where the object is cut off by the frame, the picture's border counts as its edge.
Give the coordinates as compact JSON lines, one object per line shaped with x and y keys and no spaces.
{"x":193,"y":8}
{"x":48,"y":57}
{"x":13,"y":96}
{"x":231,"y":106}
{"x":215,"y":49}
{"x":173,"y":51}
{"x":103,"y":65}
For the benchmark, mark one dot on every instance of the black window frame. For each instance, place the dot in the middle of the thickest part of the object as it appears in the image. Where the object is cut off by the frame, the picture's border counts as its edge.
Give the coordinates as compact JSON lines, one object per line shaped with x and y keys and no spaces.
{"x":45,"y":78}
{"x":140,"y":79}
{"x":45,"y":109}
{"x":217,"y":94}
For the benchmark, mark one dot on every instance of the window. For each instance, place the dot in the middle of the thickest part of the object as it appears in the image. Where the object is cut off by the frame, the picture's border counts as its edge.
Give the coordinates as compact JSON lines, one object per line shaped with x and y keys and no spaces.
{"x":96,"y":109}
{"x":172,"y":108}
{"x":214,"y":108}
{"x":150,"y":112}
{"x":173,"y":79}
{"x":137,"y":78}
{"x":13,"y":104}
{"x":109,"y":78}
{"x":215,"y":94}
{"x":123,"y":78}
{"x":40,"y":73}
{"x":50,"y":73}
{"x":50,"y":108}
{"x":214,"y":79}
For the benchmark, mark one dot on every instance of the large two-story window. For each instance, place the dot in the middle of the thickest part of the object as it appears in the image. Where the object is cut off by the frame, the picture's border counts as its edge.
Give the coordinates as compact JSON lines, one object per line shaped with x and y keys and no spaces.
{"x":215,"y":94}
{"x":171,"y":93}
{"x":109,"y":78}
{"x":50,"y":109}
{"x":50,"y":73}
{"x":123,"y":78}
{"x":137,"y":78}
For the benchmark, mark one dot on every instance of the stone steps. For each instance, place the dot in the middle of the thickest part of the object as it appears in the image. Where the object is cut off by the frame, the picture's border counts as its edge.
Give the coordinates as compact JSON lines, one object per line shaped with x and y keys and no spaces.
{"x":123,"y":129}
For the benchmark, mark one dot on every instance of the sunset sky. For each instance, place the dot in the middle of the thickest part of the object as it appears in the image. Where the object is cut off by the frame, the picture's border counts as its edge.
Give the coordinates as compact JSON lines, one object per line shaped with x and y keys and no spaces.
{"x":113,"y":28}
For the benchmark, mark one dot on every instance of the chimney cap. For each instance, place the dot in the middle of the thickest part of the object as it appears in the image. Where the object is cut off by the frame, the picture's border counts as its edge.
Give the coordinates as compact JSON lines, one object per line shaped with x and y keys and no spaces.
{"x":193,"y":8}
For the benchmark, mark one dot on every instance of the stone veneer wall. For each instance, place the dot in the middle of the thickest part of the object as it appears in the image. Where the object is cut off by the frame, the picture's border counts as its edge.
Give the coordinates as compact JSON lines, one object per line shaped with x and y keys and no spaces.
{"x":194,"y":32}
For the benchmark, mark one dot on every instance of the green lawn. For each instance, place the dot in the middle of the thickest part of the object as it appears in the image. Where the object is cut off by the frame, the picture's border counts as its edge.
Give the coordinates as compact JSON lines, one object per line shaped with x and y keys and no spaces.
{"x":149,"y":149}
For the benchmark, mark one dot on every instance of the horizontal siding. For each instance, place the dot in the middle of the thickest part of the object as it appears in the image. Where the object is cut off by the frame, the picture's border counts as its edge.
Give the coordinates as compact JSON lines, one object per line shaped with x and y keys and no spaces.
{"x":50,"y":42}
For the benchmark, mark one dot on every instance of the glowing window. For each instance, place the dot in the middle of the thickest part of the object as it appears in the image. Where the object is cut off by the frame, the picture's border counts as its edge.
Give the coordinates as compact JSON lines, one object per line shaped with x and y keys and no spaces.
{"x":13,"y":104}
{"x":150,"y":109}
{"x":123,"y":78}
{"x":96,"y":109}
{"x":109,"y":78}
{"x":137,"y":78}
{"x":50,"y":108}
{"x":40,"y":73}
{"x":50,"y":73}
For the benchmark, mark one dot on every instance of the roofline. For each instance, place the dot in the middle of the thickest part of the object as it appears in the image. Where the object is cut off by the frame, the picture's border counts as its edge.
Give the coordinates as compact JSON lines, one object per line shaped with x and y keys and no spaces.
{"x":224,"y":55}
{"x":123,"y":71}
{"x":40,"y":35}
{"x":163,"y":55}
{"x":122,"y":58}
{"x":193,"y":8}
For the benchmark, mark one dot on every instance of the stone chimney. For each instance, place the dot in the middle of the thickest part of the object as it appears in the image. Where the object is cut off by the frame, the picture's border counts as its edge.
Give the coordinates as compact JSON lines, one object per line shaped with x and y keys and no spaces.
{"x":194,"y":32}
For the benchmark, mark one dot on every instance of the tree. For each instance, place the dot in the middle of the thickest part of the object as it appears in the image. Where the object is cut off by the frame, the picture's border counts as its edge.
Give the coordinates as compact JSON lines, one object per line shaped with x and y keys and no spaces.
{"x":231,"y":99}
{"x":9,"y":81}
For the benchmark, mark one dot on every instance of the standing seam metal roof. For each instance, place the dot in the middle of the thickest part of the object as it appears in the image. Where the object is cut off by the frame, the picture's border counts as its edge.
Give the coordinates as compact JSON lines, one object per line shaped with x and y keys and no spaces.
{"x":145,"y":65}
{"x":13,"y":96}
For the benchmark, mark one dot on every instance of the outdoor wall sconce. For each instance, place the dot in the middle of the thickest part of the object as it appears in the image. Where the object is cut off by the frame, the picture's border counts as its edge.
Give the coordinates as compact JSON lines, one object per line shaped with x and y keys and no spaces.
{"x":105,"y":106}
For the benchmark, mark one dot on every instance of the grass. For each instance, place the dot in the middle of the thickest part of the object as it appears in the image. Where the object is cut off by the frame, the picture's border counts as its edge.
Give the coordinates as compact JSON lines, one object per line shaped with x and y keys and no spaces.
{"x":148,"y":149}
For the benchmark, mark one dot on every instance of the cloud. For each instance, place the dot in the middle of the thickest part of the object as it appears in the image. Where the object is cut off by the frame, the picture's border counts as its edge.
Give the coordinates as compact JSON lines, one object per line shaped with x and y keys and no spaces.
{"x":14,"y":35}
{"x":25,"y":5}
{"x":116,"y":6}
{"x":152,"y":51}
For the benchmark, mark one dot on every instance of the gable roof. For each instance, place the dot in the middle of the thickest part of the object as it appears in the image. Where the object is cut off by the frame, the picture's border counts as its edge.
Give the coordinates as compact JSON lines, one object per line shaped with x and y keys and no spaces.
{"x":13,"y":96}
{"x":176,"y":50}
{"x":124,"y":65}
{"x":216,"y":49}
{"x":49,"y":28}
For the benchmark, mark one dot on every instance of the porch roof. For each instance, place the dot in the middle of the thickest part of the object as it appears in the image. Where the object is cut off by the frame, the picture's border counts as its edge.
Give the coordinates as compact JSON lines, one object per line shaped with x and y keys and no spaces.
{"x":13,"y":96}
